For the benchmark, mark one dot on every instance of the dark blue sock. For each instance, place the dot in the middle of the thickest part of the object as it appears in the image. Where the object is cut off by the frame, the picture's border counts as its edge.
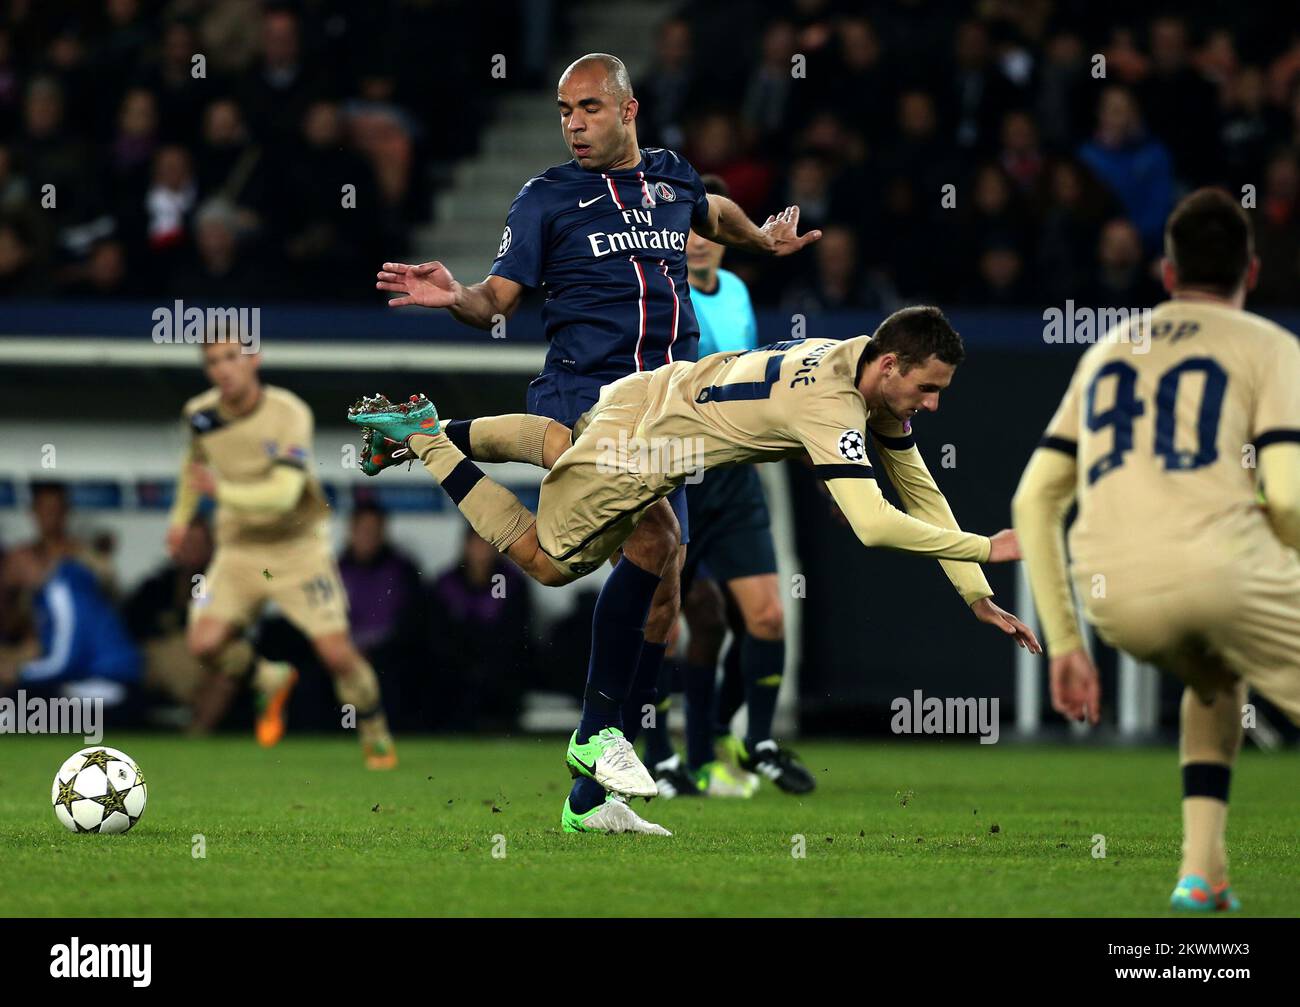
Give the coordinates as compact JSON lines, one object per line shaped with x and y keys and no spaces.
{"x":699,"y":689}
{"x":763,"y":662}
{"x":731,"y":694}
{"x":617,"y":634}
{"x":658,"y":742}
{"x":645,"y":690}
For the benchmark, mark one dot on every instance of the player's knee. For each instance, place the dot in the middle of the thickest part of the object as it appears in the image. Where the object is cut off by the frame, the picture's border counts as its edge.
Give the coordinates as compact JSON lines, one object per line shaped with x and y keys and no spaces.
{"x":337,"y":655}
{"x":655,"y":542}
{"x":204,"y":642}
{"x":767,"y":620}
{"x":706,"y":616}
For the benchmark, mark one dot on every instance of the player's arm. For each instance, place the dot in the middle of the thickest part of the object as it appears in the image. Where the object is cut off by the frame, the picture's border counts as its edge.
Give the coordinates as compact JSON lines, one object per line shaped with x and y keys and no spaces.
{"x":830,"y":428}
{"x":275,"y":493}
{"x":431,"y":285}
{"x":727,"y":224}
{"x":923,"y":499}
{"x":517,"y":267}
{"x":1044,"y":496}
{"x":1279,"y":475}
{"x":186,"y":502}
{"x":1276,"y":422}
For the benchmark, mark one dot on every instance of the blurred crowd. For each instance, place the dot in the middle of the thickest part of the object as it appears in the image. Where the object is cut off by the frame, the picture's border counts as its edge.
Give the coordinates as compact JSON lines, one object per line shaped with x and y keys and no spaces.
{"x":203,"y":146}
{"x":987,"y":152}
{"x":1067,"y":131}
{"x":454,"y":651}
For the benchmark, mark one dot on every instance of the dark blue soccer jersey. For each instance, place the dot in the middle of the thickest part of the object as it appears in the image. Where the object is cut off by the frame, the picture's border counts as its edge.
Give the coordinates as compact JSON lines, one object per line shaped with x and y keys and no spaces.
{"x":610,"y":250}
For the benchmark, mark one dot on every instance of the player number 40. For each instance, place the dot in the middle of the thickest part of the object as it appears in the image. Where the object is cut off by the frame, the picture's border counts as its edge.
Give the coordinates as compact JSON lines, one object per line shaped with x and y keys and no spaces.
{"x":1127,"y":407}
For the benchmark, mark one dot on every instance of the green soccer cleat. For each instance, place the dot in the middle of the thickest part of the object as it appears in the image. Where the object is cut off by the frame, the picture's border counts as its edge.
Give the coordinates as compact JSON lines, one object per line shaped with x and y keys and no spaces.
{"x":1194,"y":894}
{"x":396,"y":421}
{"x":613,"y":816}
{"x":609,"y":758}
{"x":379,"y":452}
{"x":717,"y":779}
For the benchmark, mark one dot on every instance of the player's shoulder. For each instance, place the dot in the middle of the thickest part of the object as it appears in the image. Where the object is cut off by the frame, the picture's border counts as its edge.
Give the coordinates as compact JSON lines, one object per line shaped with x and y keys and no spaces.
{"x":661,"y":160}
{"x":284,"y":400}
{"x":545,"y":184}
{"x":201,"y":403}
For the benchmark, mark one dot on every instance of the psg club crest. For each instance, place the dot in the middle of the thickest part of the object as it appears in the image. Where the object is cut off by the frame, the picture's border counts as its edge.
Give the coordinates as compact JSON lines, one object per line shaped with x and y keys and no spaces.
{"x":505,"y":242}
{"x":665,"y":192}
{"x":853,"y":446}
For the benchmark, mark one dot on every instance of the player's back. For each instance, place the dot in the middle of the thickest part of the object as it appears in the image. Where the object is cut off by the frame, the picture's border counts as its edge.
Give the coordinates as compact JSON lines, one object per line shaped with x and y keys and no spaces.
{"x":1166,"y":477}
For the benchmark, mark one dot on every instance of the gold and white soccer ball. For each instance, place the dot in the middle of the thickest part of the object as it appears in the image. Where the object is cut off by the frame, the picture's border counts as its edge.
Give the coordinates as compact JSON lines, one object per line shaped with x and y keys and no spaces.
{"x":99,"y":790}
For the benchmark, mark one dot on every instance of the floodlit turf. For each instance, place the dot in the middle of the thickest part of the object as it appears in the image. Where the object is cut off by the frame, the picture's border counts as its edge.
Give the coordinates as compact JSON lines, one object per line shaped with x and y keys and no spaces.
{"x":894,"y":829}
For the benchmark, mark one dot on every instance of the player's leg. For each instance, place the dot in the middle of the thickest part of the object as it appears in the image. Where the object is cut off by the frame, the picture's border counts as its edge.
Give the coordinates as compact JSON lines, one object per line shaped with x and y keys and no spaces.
{"x":762,"y":663}
{"x":225,"y":659}
{"x":357,"y":686}
{"x":706,"y":616}
{"x":604,"y":755}
{"x":516,"y":437}
{"x":307,"y":588}
{"x":1209,"y":741}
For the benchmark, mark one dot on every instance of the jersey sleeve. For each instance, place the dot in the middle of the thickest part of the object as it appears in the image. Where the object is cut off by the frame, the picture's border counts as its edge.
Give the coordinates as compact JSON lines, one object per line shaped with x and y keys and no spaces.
{"x":700,"y":205}
{"x":521,"y":254}
{"x":1277,"y":400}
{"x":922,"y":498}
{"x":294,"y":446}
{"x":1062,"y":432}
{"x":186,"y":501}
{"x":831,"y":430}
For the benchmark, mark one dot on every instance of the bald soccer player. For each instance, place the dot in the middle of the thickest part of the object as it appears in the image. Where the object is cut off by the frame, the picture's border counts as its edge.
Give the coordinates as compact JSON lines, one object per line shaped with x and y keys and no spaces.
{"x":250,"y":450}
{"x":604,"y":234}
{"x":649,"y":432}
{"x":1176,"y":560}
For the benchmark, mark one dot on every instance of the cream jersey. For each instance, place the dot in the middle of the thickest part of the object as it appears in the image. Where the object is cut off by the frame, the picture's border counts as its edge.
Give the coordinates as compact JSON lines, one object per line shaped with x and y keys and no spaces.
{"x":802,"y":395}
{"x":245,"y":450}
{"x":1165,"y":440}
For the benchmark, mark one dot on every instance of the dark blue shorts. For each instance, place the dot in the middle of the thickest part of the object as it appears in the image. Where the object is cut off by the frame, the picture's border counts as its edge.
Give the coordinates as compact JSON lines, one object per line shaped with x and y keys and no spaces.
{"x":564,"y":397}
{"x":733,"y":530}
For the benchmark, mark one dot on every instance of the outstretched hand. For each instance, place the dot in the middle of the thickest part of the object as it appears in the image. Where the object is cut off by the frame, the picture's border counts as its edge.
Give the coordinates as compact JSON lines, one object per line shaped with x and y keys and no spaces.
{"x":986,"y":611}
{"x":1075,"y":687}
{"x":429,"y":284}
{"x":782,"y":229}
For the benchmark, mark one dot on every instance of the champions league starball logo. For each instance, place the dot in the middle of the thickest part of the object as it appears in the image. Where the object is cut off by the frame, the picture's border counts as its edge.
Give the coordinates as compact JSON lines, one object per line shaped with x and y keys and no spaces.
{"x":852,"y":446}
{"x":505,"y":242}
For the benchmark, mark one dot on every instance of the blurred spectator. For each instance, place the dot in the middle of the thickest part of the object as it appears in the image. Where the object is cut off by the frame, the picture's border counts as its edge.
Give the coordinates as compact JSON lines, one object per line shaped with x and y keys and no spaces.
{"x":1247,"y":127}
{"x":978,"y":94}
{"x":1123,"y":278}
{"x":666,"y":91}
{"x":230,"y":166}
{"x":387,"y":612}
{"x":1063,"y":90}
{"x":1178,"y":102}
{"x":1000,"y":280}
{"x":1074,"y":207}
{"x":1021,"y":156}
{"x":766,"y":107}
{"x":1277,"y":231}
{"x":77,"y":645}
{"x":716,"y":148}
{"x":222,"y":272}
{"x":54,"y":543}
{"x":1135,"y":167}
{"x":281,"y":86}
{"x":839,"y":282}
{"x":170,"y":198}
{"x":479,"y":617}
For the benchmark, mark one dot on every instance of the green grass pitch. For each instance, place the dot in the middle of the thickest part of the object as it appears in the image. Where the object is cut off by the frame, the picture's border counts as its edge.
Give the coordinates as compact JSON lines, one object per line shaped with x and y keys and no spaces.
{"x":893,"y":829}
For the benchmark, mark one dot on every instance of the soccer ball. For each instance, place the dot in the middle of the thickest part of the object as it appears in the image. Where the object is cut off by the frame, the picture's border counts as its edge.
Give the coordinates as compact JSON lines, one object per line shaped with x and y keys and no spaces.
{"x":99,"y":790}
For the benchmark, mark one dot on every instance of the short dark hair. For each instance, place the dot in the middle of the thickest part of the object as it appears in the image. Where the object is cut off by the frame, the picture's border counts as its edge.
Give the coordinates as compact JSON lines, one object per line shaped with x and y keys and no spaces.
{"x":715,"y":185}
{"x":1210,"y":241}
{"x":914,"y":335}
